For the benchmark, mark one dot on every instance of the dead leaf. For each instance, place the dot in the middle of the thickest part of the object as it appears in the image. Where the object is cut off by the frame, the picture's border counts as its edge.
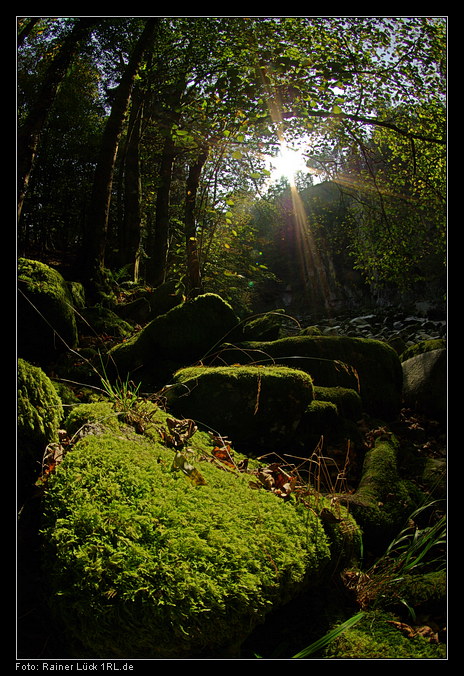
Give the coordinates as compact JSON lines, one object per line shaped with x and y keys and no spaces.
{"x":181,"y":463}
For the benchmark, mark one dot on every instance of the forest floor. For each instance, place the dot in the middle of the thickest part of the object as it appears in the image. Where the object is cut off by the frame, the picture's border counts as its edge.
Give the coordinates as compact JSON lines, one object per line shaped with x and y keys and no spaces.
{"x":39,"y":637}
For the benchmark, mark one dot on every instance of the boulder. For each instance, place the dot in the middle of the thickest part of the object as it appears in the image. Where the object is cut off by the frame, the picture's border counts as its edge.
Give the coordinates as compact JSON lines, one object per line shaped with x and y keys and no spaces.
{"x":180,"y":337}
{"x":40,"y":412}
{"x":259,"y":408}
{"x":46,"y":319}
{"x":370,"y":367}
{"x":425,"y":383}
{"x":382,"y":497}
{"x":144,"y":561}
{"x":146,"y":304}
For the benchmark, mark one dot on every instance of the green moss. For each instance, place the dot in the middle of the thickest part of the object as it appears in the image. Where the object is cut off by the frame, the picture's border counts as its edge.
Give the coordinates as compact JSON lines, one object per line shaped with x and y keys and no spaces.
{"x":377,"y":636}
{"x":425,"y":593}
{"x":263,"y":327}
{"x":383,"y":498}
{"x":423,"y":346}
{"x":39,"y":412}
{"x":348,"y":402}
{"x":101,"y":320}
{"x":140,"y":562}
{"x":46,"y":321}
{"x":369,"y":366}
{"x":180,"y":337}
{"x":100,"y":416}
{"x":255,"y":406}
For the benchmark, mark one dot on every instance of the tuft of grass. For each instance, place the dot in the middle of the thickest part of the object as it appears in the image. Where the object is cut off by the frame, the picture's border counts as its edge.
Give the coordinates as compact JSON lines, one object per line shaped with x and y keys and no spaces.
{"x":329,"y":637}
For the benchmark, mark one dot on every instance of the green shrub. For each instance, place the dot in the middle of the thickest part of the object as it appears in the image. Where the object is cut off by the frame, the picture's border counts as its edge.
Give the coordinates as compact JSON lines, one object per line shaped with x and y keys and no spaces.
{"x":141,"y":562}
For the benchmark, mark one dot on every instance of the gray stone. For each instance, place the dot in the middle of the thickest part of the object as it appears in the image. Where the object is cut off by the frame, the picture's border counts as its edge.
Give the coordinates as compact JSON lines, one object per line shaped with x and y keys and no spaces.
{"x":425,"y":383}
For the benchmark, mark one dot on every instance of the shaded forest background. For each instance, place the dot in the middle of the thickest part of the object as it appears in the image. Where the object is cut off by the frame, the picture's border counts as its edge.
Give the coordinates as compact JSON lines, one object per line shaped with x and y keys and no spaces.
{"x":144,"y":146}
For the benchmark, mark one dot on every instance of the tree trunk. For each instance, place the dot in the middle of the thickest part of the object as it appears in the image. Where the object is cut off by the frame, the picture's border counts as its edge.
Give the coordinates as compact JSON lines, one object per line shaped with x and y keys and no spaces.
{"x":94,"y":242}
{"x":159,"y":249}
{"x":24,"y":32}
{"x":194,"y":283}
{"x":29,"y":133}
{"x":130,"y":236}
{"x":157,"y":272}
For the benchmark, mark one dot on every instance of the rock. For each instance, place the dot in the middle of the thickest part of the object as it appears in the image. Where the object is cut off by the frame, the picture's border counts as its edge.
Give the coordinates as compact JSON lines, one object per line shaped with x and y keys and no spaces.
{"x":348,"y":402}
{"x":382,"y":497}
{"x":425,"y":383}
{"x":99,"y":320}
{"x":182,"y":336}
{"x":373,"y":364}
{"x":156,"y":566}
{"x":46,"y":319}
{"x":266,"y":326}
{"x":39,"y":415}
{"x":259,"y":408}
{"x":144,"y":305}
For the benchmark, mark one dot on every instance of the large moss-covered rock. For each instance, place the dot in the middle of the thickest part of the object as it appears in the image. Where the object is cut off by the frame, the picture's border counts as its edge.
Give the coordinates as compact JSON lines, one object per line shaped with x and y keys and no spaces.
{"x":383,"y":499}
{"x":46,"y":320}
{"x":144,"y":562}
{"x":178,"y":338}
{"x":369,"y":366}
{"x":257,"y":407}
{"x":40,"y":412}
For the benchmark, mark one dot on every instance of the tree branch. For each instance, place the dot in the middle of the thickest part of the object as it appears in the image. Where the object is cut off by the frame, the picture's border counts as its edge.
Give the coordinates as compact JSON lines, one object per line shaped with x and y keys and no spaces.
{"x":378,"y":123}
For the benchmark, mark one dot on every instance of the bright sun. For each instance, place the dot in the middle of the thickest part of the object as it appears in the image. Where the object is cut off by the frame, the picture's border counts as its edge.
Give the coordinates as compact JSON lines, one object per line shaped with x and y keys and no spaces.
{"x":287,"y":163}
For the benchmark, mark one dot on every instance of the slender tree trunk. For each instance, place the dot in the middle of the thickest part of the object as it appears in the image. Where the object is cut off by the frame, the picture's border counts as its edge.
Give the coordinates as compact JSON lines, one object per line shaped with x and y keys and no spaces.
{"x":157,"y":272}
{"x":131,"y":227}
{"x":29,"y":133}
{"x":94,"y":242}
{"x":194,"y":283}
{"x":159,"y":249}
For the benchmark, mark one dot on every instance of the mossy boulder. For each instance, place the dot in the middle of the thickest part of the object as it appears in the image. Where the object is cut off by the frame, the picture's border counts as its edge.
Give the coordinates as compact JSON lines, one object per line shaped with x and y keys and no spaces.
{"x":99,"y":320}
{"x":347,"y":401}
{"x":383,"y":499}
{"x":370,"y":366}
{"x":142,"y":562}
{"x":332,"y":415}
{"x":144,"y":304}
{"x":423,"y":346}
{"x":266,"y":326}
{"x":46,"y":319}
{"x":259,"y":408}
{"x":425,"y":593}
{"x":378,"y":635}
{"x":178,"y":338}
{"x":40,"y":412}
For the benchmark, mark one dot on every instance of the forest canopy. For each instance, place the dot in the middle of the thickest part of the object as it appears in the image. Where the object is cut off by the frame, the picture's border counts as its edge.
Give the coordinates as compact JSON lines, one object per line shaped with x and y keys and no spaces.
{"x":145,"y":144}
